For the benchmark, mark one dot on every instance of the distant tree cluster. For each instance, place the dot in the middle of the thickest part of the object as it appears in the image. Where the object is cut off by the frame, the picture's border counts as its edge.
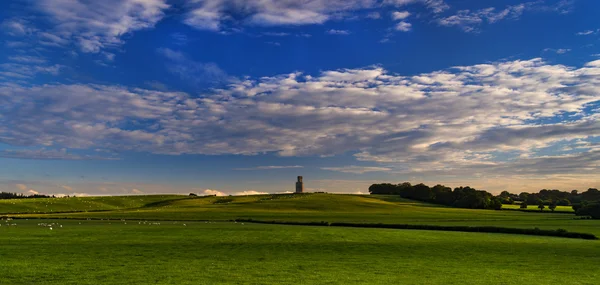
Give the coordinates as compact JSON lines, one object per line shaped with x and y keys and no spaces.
{"x":8,"y":195}
{"x":585,"y":204}
{"x":462,"y":197}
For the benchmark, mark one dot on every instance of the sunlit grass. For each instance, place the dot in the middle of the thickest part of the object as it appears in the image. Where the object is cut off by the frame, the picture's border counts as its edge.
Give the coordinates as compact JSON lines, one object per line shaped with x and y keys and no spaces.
{"x":138,"y":252}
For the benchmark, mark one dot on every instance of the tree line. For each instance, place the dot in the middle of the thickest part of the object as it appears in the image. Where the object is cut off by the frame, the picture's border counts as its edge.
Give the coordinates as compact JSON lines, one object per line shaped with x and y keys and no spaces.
{"x":9,"y":195}
{"x":585,"y":204}
{"x":461,"y":197}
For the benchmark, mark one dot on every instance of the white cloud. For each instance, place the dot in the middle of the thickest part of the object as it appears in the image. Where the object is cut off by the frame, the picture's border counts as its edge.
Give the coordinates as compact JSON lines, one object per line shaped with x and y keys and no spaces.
{"x":136,"y":191}
{"x":96,"y":25}
{"x":403,"y":26}
{"x":213,"y":192}
{"x":586,"y":33}
{"x":270,"y":167}
{"x":447,"y":121}
{"x":249,"y":192}
{"x":338,"y":32}
{"x":216,"y":15}
{"x":469,"y":21}
{"x":437,"y":6}
{"x":21,"y":187}
{"x":400,"y":15}
{"x":241,"y":193}
{"x":357,"y":169}
{"x":32,"y":192}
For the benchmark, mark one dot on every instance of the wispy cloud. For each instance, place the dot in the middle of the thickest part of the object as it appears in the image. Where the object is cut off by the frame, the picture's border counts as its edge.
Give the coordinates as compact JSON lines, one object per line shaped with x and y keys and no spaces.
{"x":470,"y":21}
{"x":403,"y":27}
{"x":96,"y":25}
{"x":357,"y":169}
{"x":192,"y":71}
{"x":213,"y":15}
{"x":338,"y":32}
{"x":276,"y":34}
{"x":558,"y":51}
{"x":271,"y":167}
{"x":179,"y":39}
{"x":240,"y":193}
{"x":437,"y":6}
{"x":50,"y":154}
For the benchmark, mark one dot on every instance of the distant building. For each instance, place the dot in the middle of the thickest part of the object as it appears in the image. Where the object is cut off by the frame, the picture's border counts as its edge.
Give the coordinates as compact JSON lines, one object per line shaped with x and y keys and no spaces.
{"x":299,"y":185}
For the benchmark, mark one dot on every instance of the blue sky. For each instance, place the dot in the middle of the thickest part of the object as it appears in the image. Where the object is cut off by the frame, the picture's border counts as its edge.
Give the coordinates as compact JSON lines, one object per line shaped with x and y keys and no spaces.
{"x":232,"y":97}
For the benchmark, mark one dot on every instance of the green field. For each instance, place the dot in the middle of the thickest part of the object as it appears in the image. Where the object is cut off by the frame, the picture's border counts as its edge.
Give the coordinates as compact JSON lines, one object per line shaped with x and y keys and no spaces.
{"x":567,"y":209}
{"x":305,"y":207}
{"x":146,"y":242}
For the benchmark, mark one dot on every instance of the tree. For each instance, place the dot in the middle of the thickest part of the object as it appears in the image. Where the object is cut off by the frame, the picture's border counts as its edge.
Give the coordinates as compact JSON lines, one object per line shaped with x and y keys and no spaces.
{"x":495,"y":204}
{"x":541,"y":206}
{"x":523,"y":205}
{"x":592,"y":210}
{"x":563,"y":202}
{"x":552,"y":206}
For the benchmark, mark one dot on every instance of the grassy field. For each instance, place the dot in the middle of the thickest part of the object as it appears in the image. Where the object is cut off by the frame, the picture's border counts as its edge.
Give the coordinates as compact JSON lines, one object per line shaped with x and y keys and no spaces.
{"x":133,"y":252}
{"x":146,"y":242}
{"x":320,"y":207}
{"x":50,"y":205}
{"x":565,"y":209}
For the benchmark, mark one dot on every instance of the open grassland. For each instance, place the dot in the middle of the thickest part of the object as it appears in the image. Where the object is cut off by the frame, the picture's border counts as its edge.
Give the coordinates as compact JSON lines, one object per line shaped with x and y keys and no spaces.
{"x":314,"y":207}
{"x":50,"y":205}
{"x":133,"y":252}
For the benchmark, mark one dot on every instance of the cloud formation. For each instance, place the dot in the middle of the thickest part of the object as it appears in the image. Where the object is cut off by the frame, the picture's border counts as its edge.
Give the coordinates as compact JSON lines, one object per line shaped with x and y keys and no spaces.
{"x":50,"y":154}
{"x":241,"y":193}
{"x":91,"y":25}
{"x":219,"y":15}
{"x":270,"y":167}
{"x":357,"y":169}
{"x":468,"y":117}
{"x":338,"y":32}
{"x":470,"y":21}
{"x":95,"y":25}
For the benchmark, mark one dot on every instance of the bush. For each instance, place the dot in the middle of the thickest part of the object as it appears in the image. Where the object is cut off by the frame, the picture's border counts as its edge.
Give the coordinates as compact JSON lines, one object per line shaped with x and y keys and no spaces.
{"x":523,"y":205}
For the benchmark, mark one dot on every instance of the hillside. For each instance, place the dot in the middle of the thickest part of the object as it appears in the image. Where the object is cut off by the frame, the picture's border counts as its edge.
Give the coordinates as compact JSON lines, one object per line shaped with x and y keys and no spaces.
{"x":81,"y":204}
{"x":289,"y":207}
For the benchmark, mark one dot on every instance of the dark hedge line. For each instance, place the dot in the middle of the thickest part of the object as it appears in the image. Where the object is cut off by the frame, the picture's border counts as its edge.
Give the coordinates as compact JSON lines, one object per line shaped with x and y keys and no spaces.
{"x":534,"y":232}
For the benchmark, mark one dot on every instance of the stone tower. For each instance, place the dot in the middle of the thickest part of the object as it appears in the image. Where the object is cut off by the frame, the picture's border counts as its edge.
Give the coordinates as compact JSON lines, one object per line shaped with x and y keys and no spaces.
{"x":299,"y":185}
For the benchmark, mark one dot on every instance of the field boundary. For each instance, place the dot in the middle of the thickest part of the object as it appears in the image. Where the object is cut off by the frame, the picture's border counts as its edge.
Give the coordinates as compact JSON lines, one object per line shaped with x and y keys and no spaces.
{"x":471,"y":229}
{"x":537,"y":211}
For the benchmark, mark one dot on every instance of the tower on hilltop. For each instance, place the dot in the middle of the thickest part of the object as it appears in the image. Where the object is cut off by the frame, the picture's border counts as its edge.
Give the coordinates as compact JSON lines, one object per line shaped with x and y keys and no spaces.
{"x":299,"y":185}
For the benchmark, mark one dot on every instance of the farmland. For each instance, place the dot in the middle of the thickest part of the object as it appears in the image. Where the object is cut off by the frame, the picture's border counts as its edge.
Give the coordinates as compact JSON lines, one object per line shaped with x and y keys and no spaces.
{"x":190,"y":240}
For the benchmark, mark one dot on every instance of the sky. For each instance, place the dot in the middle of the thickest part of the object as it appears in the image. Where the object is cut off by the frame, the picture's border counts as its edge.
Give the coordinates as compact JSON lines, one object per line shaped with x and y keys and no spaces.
{"x":121,"y":97}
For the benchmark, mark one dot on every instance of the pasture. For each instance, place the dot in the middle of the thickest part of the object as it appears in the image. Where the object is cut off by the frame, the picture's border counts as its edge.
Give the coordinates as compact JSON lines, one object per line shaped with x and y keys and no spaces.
{"x":137,"y":252}
{"x":309,"y":208}
{"x":190,"y":240}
